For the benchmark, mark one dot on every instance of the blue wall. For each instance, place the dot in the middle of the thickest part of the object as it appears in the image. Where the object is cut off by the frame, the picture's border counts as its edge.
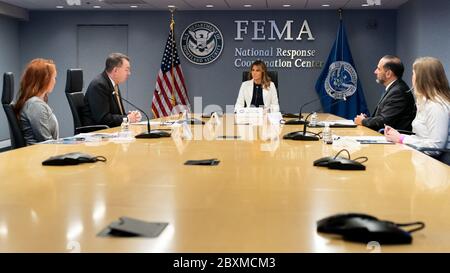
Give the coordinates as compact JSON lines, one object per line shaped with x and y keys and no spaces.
{"x":9,"y":60}
{"x":418,"y":28}
{"x":54,"y":35}
{"x":423,"y":30}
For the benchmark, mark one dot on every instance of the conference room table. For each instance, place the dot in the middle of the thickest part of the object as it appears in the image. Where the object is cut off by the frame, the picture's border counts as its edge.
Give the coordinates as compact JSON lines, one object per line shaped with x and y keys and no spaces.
{"x":264,"y":196}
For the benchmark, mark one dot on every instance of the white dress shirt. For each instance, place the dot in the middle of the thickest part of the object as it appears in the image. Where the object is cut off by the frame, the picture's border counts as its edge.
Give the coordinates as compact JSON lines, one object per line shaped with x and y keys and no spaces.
{"x":431,"y":125}
{"x":389,"y":85}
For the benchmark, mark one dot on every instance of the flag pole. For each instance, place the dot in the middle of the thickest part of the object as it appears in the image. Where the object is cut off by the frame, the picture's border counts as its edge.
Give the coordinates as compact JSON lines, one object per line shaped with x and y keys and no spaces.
{"x":172,"y":29}
{"x":340,"y":11}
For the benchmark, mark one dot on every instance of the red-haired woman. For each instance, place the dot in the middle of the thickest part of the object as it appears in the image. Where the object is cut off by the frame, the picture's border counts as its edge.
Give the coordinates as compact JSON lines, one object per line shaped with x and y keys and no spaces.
{"x":36,"y":118}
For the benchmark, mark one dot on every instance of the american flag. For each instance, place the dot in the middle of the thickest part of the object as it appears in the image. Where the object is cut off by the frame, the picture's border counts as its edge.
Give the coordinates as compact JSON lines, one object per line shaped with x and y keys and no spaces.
{"x":170,"y":95}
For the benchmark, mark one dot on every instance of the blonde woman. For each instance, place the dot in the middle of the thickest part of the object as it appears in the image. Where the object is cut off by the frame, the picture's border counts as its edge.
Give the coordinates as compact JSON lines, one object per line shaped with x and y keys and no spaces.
{"x":432,"y":123}
{"x":259,"y":91}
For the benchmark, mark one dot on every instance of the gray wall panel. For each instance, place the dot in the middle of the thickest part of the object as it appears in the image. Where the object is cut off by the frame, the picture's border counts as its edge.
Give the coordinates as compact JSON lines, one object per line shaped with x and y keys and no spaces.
{"x":9,"y":61}
{"x":96,"y":42}
{"x":423,"y":30}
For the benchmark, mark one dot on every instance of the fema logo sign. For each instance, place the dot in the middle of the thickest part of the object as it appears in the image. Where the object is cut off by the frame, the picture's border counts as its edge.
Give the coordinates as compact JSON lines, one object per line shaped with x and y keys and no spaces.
{"x":201,"y":43}
{"x":342,"y":80}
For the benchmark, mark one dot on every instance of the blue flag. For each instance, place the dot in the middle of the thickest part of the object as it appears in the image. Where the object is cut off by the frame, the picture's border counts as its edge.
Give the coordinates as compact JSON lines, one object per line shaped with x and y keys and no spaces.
{"x":340,"y":80}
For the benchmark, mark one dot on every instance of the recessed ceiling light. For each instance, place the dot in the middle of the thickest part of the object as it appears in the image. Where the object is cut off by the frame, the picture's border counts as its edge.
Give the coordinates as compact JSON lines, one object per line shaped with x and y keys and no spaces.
{"x":59,"y":7}
{"x":133,"y":6}
{"x":210,"y":6}
{"x":325,"y":5}
{"x":365,"y":5}
{"x":247,"y":6}
{"x":171,"y":6}
{"x":96,"y":7}
{"x":286,"y":6}
{"x":73,"y":2}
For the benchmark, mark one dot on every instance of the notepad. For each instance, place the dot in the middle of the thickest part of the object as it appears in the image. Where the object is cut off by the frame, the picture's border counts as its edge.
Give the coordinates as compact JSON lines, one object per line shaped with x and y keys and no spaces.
{"x":155,"y":123}
{"x":344,"y":123}
{"x":98,"y":135}
{"x":66,"y":140}
{"x":370,"y":139}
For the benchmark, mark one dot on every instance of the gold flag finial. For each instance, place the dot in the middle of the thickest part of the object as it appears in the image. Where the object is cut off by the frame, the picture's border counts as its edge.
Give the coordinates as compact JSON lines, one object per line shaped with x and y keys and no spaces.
{"x":340,"y":13}
{"x":172,"y":21}
{"x":172,"y":9}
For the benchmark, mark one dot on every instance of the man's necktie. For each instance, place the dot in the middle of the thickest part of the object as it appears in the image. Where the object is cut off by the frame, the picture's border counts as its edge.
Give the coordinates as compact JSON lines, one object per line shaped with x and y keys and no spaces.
{"x":116,"y":92}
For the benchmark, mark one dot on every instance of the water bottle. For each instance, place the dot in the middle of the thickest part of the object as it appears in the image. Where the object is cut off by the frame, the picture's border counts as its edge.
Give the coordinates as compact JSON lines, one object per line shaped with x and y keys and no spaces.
{"x":125,"y":128}
{"x":313,"y":120}
{"x":186,"y":117}
{"x":327,"y":135}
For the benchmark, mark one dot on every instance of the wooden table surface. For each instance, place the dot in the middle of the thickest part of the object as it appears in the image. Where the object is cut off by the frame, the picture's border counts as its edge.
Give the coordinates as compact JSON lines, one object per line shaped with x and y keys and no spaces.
{"x":264,"y":196}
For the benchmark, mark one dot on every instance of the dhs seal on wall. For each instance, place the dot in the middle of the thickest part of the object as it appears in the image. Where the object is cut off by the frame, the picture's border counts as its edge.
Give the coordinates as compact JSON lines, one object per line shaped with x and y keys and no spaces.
{"x":201,"y":43}
{"x":342,"y":80}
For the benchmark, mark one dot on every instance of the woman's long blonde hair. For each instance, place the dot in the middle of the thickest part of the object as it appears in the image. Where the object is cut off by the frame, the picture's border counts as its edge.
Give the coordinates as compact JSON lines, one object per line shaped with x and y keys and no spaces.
{"x":265,"y":79}
{"x":431,"y":82}
{"x":35,"y":81}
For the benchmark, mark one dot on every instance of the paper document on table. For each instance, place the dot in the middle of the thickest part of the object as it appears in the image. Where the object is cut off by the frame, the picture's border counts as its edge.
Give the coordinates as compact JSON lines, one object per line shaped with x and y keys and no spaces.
{"x":369,"y":139}
{"x":66,"y":140}
{"x":82,"y":138}
{"x":157,"y":123}
{"x":348,"y":122}
{"x":97,"y":135}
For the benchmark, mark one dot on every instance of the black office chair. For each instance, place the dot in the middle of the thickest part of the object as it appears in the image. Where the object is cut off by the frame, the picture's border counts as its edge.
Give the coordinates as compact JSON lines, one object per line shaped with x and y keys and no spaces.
{"x":82,"y":121}
{"x":444,"y":155}
{"x":15,"y":133}
{"x":246,"y":75}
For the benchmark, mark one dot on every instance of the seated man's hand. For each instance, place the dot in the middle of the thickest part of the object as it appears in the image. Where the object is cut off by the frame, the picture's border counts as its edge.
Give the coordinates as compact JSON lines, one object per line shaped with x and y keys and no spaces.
{"x":359,"y":119}
{"x":138,"y":116}
{"x":134,"y":116}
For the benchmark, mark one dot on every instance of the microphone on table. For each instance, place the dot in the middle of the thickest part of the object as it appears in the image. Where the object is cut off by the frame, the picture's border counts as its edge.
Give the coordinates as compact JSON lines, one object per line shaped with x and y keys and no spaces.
{"x":299,"y":120}
{"x":150,"y":133}
{"x":304,"y":135}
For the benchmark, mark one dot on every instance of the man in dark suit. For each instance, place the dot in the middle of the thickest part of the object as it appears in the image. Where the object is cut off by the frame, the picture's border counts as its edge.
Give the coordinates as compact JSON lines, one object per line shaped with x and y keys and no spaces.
{"x":103,"y":95}
{"x":397,"y":107}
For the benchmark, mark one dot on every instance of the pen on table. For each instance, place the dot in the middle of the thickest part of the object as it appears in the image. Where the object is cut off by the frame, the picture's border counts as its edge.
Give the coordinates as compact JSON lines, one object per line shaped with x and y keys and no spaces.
{"x":74,"y":138}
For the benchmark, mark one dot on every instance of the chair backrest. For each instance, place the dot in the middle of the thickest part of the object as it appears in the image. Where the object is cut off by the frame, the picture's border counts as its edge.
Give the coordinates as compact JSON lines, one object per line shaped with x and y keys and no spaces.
{"x":246,"y":75}
{"x":75,"y":97}
{"x":15,"y":133}
{"x":444,"y":157}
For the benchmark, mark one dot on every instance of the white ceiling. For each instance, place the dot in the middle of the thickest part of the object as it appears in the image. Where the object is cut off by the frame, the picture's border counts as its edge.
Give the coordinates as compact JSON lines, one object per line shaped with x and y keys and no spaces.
{"x":201,"y":4}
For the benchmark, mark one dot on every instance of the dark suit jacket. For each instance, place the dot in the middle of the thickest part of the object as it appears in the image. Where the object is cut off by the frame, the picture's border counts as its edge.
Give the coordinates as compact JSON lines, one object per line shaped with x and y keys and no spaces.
{"x":102,"y":103}
{"x":397,"y":108}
